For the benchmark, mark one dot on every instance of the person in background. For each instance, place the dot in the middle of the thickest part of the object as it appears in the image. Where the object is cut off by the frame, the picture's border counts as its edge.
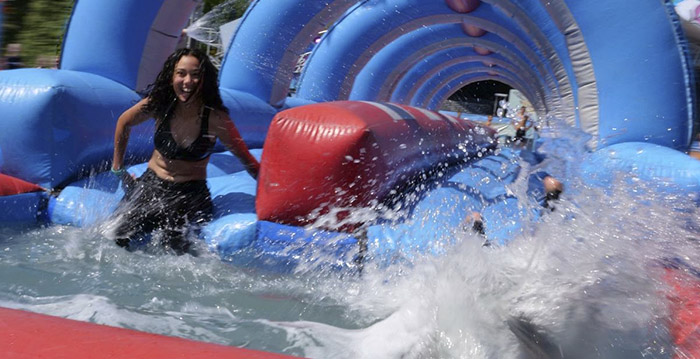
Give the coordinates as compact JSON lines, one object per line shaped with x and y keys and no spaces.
{"x":694,"y":150}
{"x":172,"y":198}
{"x":542,"y":187}
{"x":545,"y":189}
{"x":477,"y":223}
{"x":47,"y":62}
{"x":521,"y":127}
{"x":13,"y":58}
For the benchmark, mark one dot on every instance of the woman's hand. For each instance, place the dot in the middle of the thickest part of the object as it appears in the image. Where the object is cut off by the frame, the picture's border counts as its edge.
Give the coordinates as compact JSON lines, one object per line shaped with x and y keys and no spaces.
{"x":128,"y":182}
{"x":253,"y":168}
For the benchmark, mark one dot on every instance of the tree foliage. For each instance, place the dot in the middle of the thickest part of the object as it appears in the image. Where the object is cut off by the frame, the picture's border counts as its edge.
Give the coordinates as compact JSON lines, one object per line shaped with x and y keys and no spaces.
{"x":39,"y":27}
{"x":14,"y":11}
{"x":233,"y":8}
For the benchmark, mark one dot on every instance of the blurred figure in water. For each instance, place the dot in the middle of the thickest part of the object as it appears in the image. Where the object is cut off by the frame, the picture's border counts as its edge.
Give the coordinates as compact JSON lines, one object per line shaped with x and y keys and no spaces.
{"x":477,"y":223}
{"x":542,"y":187}
{"x":545,"y":189}
{"x":521,"y":127}
{"x":172,"y":196}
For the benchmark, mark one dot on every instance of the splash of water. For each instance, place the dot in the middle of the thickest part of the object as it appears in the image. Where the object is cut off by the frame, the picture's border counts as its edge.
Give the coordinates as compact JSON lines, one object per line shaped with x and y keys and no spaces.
{"x":586,"y":277}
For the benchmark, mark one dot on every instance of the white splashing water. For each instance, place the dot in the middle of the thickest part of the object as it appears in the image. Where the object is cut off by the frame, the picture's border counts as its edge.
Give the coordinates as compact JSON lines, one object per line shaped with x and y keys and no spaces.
{"x":588,"y":276}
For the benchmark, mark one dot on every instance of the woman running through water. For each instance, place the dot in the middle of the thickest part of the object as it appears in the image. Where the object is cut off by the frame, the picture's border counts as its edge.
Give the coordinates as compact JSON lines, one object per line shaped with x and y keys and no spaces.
{"x":172,"y":196}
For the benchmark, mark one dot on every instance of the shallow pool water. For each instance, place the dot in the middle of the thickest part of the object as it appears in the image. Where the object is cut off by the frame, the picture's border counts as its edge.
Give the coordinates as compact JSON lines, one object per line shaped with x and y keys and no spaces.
{"x":587,"y":277}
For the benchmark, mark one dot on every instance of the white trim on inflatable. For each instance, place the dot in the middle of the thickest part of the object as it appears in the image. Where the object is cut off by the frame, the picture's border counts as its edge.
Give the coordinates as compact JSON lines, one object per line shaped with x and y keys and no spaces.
{"x":285,"y":68}
{"x":423,"y":99}
{"x":404,"y":82}
{"x":162,"y":39}
{"x":328,"y":66}
{"x":277,"y":31}
{"x":431,"y":115}
{"x":447,"y":84}
{"x":567,"y":110}
{"x":394,"y":81}
{"x":388,"y":110}
{"x":538,"y":98}
{"x":387,"y":92}
{"x":534,"y":56}
{"x":463,"y":60}
{"x":499,"y":31}
{"x":582,"y":66}
{"x":683,"y":46}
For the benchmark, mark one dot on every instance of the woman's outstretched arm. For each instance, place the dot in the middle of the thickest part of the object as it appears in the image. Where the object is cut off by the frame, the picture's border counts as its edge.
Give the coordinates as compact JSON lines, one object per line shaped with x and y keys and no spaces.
{"x":226,"y":131}
{"x":131,"y":117}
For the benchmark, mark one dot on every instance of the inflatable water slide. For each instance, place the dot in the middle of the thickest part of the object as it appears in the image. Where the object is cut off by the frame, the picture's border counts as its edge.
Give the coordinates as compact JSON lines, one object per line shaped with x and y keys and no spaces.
{"x":362,"y":123}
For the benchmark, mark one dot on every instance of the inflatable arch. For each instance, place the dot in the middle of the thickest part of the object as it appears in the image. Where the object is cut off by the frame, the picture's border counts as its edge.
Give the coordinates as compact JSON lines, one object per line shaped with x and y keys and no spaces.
{"x":585,"y":80}
{"x":493,"y":68}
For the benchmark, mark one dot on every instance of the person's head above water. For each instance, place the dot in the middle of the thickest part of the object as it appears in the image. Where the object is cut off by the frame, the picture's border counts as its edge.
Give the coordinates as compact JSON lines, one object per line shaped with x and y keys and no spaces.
{"x":187,"y":76}
{"x":552,"y":189}
{"x":551,"y":184}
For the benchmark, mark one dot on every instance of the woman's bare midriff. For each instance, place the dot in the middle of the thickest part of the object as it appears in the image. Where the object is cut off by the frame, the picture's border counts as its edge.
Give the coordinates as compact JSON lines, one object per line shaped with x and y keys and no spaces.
{"x":177,"y":170}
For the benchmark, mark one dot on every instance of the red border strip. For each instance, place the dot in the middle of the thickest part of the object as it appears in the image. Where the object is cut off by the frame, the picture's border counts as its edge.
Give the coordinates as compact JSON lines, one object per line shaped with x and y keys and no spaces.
{"x":31,"y":335}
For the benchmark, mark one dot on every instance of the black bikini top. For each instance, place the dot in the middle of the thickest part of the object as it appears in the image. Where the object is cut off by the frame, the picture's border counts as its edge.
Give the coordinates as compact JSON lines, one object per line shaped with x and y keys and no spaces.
{"x":198,"y":150}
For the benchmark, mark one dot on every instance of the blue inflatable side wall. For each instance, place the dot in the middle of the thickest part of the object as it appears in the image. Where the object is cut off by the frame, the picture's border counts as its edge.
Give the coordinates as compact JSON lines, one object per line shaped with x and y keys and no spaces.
{"x":108,"y":48}
{"x":58,"y":124}
{"x":661,"y":168}
{"x":632,"y":107}
{"x":25,"y":209}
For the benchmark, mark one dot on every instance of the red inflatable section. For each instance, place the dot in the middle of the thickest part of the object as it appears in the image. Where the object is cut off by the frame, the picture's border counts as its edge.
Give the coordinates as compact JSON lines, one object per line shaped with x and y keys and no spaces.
{"x":685,"y":312}
{"x":346,"y":154}
{"x":30,"y":335}
{"x":11,"y":185}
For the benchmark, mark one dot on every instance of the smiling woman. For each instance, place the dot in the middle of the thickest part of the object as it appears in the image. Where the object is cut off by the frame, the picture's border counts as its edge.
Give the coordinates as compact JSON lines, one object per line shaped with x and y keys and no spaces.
{"x":172,"y":196}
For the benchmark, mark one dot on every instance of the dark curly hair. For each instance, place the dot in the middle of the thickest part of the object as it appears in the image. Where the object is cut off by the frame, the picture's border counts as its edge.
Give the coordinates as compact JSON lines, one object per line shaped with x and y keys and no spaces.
{"x":161,"y":94}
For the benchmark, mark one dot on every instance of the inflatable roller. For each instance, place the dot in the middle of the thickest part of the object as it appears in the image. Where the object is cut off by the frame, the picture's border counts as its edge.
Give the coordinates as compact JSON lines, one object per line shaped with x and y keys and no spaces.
{"x":340,"y":155}
{"x":21,"y":202}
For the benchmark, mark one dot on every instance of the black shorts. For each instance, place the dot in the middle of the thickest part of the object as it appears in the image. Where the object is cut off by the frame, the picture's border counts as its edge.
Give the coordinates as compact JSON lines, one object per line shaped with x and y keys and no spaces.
{"x":173,"y":209}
